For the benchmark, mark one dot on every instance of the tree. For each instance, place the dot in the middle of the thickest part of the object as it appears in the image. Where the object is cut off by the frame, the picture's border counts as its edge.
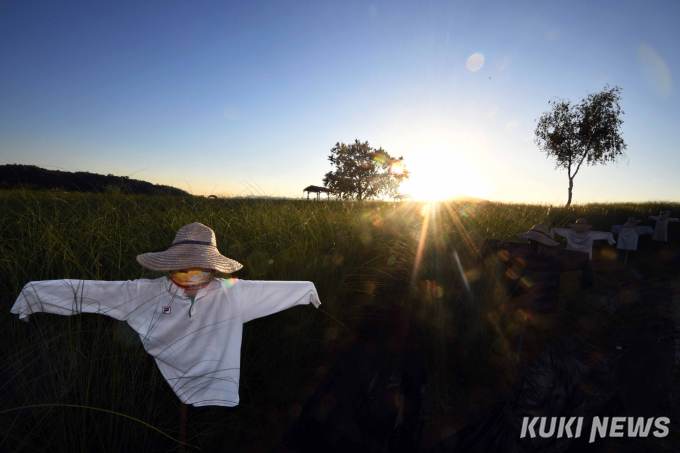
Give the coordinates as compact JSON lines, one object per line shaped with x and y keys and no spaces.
{"x":586,"y":132}
{"x":363,"y":172}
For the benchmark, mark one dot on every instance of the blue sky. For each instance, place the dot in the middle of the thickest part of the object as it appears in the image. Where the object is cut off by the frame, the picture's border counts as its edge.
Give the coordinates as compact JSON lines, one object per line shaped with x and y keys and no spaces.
{"x":241,"y":97}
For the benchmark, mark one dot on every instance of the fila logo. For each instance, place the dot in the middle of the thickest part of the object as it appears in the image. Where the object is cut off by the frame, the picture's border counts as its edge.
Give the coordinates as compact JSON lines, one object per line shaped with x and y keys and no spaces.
{"x":166,"y":310}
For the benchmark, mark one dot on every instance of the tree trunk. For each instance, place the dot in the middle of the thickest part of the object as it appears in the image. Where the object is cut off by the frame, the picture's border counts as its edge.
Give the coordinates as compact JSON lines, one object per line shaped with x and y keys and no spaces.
{"x":571,"y":186}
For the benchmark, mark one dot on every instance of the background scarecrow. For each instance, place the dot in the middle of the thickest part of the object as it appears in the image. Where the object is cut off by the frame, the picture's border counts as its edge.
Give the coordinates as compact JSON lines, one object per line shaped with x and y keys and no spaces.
{"x":628,"y":236}
{"x":661,"y":227}
{"x":580,"y":236}
{"x":539,"y":273}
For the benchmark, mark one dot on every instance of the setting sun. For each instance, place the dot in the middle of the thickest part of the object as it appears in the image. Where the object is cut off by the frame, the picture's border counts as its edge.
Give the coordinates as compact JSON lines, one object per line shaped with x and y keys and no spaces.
{"x":445,"y":177}
{"x":397,"y":168}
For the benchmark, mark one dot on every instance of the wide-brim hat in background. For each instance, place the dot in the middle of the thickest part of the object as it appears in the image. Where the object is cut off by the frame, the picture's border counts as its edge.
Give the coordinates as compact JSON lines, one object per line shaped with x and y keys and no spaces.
{"x":581,"y":225}
{"x":631,"y":222}
{"x":664,"y":214}
{"x":539,"y":233}
{"x":194,"y":246}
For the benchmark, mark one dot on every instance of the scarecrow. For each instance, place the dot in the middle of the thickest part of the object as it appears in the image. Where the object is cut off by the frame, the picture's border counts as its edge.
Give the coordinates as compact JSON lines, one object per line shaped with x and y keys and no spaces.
{"x":534,"y":268}
{"x":580,"y":237}
{"x":191,"y":322}
{"x":628,"y":235}
{"x":534,"y":272}
{"x":661,"y":228}
{"x":539,"y":273}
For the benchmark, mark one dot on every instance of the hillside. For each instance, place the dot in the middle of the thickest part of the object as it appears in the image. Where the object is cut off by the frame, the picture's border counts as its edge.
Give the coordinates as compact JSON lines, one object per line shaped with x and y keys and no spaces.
{"x":15,"y":176}
{"x":460,"y":198}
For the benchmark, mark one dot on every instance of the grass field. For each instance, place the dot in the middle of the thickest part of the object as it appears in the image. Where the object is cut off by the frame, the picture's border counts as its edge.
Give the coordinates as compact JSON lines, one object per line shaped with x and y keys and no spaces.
{"x":416,"y":256}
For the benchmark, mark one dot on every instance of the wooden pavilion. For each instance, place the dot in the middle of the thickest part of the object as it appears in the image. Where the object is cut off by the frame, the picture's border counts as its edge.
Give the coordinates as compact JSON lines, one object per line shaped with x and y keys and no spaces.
{"x":317,"y":190}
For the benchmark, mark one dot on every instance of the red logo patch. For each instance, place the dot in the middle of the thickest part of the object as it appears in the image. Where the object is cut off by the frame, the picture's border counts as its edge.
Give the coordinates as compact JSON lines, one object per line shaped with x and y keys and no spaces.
{"x":166,"y":310}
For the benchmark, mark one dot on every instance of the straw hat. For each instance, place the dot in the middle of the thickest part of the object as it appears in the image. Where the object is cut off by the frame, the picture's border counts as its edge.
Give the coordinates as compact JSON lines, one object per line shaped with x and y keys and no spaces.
{"x":664,"y":214}
{"x":631,"y":222}
{"x":539,"y":233}
{"x":581,"y":224}
{"x":194,"y":246}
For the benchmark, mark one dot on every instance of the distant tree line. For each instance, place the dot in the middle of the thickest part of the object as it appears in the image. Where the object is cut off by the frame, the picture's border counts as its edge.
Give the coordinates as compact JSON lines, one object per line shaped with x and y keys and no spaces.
{"x":15,"y":176}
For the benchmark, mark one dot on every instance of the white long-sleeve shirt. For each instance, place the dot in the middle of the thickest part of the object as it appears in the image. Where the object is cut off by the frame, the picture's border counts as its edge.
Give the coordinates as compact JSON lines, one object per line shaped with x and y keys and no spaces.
{"x":582,"y":241}
{"x":661,"y":227}
{"x":199,"y":355}
{"x":628,"y":236}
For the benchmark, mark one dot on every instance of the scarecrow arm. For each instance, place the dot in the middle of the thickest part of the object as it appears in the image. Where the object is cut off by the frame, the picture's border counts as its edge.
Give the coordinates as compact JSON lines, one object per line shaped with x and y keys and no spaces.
{"x":69,"y":297}
{"x":644,"y":230}
{"x":600,"y":235}
{"x":559,"y":231}
{"x":262,"y":298}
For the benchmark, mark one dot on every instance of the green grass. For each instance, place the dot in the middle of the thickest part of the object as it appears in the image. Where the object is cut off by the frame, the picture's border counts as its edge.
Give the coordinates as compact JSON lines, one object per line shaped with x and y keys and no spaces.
{"x":357,"y":255}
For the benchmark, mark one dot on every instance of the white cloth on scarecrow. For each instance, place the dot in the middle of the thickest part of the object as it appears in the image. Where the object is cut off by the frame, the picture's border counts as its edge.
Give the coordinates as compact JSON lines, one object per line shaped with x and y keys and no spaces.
{"x":199,"y":356}
{"x":616,"y":229}
{"x":628,"y":236}
{"x":582,"y":241}
{"x":661,"y":228}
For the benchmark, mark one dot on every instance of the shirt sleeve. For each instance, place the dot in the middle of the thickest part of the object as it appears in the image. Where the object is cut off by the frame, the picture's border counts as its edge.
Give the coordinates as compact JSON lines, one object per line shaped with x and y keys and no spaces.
{"x":560,"y":232}
{"x":673,"y":219}
{"x":640,"y":230}
{"x":262,"y":298}
{"x":69,"y":297}
{"x":653,"y":217}
{"x":600,"y":235}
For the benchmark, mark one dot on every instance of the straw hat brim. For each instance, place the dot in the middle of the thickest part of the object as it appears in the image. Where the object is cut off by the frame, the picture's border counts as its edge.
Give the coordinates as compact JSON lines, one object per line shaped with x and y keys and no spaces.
{"x":539,"y":237}
{"x":580,"y":226}
{"x":188,"y":256}
{"x":630,"y":224}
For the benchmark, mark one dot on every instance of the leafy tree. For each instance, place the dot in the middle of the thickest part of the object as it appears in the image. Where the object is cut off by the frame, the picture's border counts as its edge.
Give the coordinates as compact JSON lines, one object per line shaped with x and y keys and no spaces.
{"x":586,"y":132}
{"x":363,"y":172}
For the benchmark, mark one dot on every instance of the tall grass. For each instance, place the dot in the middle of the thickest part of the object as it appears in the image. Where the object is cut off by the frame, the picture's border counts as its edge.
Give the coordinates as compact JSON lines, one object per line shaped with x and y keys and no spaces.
{"x":407,"y":256}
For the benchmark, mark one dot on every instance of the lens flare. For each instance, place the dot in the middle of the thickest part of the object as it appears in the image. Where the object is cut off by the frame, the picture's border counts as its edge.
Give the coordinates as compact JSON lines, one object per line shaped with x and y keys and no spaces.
{"x":655,"y":69}
{"x":475,"y":62}
{"x":229,"y":282}
{"x":462,"y":273}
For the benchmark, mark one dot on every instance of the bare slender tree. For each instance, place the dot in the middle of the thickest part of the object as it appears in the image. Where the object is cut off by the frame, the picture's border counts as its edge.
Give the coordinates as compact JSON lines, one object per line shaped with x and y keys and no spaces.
{"x":585,"y":132}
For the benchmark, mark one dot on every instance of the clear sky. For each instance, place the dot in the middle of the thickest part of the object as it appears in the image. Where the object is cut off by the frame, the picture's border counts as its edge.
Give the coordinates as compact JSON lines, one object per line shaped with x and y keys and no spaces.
{"x":241,"y":97}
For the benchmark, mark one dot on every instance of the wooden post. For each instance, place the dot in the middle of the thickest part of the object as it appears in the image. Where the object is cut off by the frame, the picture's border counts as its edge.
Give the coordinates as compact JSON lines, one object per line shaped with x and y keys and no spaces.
{"x":182,"y":426}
